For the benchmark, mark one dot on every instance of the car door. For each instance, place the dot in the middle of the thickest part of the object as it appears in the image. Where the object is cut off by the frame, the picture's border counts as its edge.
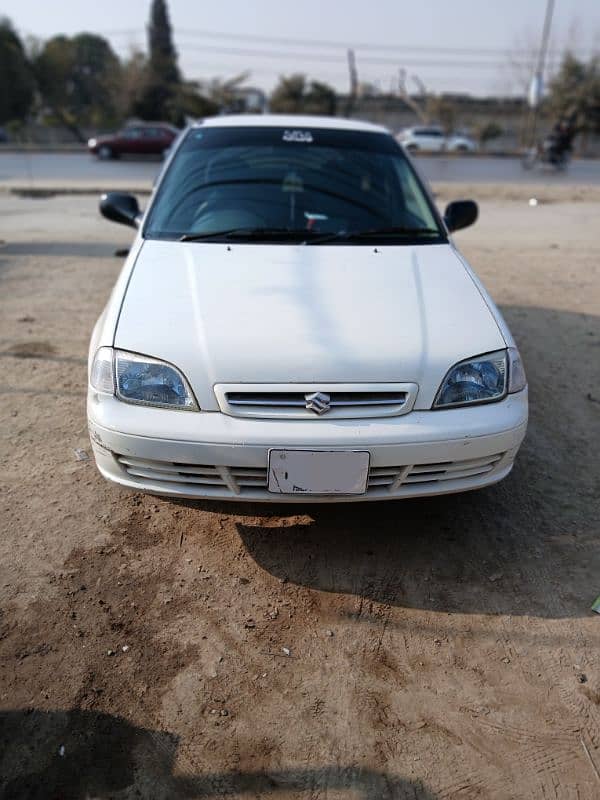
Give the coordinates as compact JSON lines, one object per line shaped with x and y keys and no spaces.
{"x":433,"y":139}
{"x":130,"y":141}
{"x":150,"y":141}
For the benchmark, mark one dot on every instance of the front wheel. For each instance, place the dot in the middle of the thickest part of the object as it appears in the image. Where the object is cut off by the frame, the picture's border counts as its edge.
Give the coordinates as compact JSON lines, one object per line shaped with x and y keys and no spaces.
{"x":529,"y":160}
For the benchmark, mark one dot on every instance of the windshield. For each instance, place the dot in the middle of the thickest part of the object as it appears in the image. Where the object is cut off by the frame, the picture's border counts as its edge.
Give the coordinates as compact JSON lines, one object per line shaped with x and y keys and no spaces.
{"x":270,"y":183}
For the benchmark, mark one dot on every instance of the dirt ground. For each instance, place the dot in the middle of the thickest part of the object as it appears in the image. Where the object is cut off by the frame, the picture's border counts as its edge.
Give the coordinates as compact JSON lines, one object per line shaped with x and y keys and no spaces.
{"x":439,"y":648}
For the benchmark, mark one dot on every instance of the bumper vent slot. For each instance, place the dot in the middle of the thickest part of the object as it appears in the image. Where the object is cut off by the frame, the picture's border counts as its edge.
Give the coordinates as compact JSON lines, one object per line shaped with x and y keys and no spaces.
{"x":229,"y":481}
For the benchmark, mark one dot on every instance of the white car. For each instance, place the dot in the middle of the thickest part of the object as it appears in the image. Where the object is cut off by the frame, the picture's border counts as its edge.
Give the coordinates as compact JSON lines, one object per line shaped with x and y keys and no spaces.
{"x":433,"y":138}
{"x":294,"y":323}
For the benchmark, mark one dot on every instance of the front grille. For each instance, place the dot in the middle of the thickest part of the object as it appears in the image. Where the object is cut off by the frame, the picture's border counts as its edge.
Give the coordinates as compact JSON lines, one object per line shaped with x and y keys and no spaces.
{"x":432,"y":473}
{"x":231,"y":481}
{"x":335,"y":401}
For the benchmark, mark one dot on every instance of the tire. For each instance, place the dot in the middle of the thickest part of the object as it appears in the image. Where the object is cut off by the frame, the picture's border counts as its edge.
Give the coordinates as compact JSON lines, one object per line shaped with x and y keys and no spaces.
{"x":530,"y":159}
{"x":105,"y":153}
{"x":462,"y":148}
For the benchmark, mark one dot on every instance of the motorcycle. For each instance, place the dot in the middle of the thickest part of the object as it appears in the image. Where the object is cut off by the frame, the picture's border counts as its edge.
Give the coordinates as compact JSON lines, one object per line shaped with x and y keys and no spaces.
{"x":546,"y":154}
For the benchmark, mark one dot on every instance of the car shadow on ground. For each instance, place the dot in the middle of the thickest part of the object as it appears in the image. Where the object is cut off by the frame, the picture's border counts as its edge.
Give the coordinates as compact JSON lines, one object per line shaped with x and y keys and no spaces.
{"x":526,"y":546}
{"x":47,"y":755}
{"x":59,"y":248}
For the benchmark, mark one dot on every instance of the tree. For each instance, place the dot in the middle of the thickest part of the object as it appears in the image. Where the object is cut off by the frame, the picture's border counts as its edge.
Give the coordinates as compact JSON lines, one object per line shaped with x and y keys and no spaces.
{"x":133,"y":83}
{"x":294,"y":95}
{"x":78,"y":78}
{"x":162,"y":95}
{"x":417,"y":104}
{"x":487,"y":132}
{"x":16,"y":79}
{"x":320,"y":99}
{"x":443,"y":110}
{"x":163,"y":56}
{"x":575,"y":92}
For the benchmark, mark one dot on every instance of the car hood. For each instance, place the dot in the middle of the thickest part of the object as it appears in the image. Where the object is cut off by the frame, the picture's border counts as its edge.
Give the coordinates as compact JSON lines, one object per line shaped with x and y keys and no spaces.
{"x":248,"y":313}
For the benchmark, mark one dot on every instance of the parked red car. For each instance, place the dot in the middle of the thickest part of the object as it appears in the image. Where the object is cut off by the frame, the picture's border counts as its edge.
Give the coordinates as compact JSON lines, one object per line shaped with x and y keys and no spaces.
{"x":142,"y":139}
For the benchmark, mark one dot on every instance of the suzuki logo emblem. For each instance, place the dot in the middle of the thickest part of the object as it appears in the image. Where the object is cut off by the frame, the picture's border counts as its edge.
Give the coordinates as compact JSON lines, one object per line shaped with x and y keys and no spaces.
{"x":319,"y":402}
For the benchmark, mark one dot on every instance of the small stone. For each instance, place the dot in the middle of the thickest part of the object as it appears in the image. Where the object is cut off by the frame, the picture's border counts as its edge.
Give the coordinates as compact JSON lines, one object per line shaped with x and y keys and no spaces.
{"x":110,"y":652}
{"x":125,"y":648}
{"x":506,"y":660}
{"x":250,"y":624}
{"x":224,"y":712}
{"x":495,"y":577}
{"x":582,"y":677}
{"x":286,"y":651}
{"x":328,"y":633}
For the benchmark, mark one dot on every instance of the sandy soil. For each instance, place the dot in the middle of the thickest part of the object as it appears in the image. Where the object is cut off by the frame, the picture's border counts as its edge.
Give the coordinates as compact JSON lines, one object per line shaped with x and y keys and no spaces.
{"x":437,"y":649}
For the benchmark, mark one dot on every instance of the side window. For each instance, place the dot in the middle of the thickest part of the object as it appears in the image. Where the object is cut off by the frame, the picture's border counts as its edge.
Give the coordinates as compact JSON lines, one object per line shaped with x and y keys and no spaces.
{"x":132,"y":133}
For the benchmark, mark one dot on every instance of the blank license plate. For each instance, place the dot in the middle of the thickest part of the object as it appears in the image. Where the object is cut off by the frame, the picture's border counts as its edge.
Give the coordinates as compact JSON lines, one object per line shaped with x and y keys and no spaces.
{"x":318,"y":471}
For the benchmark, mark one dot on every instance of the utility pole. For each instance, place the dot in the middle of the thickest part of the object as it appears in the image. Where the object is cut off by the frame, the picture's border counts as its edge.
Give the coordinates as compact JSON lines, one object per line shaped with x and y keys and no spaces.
{"x":353,"y":83}
{"x":536,"y":87}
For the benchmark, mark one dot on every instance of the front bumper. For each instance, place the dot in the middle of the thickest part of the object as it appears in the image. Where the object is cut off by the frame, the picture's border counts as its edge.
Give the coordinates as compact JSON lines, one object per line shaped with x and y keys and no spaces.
{"x":212,"y":455}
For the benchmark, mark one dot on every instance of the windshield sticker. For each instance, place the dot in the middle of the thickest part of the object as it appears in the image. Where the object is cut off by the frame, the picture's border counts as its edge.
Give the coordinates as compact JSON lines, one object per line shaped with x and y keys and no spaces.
{"x":297,"y":136}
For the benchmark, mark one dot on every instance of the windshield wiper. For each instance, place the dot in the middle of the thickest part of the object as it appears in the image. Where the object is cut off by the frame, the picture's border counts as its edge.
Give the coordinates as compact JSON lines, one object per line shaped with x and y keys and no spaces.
{"x":250,"y":234}
{"x":375,"y":233}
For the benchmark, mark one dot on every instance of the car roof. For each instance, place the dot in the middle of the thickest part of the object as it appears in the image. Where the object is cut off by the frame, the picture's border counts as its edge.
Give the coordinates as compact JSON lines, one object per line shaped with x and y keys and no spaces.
{"x":146,"y":124}
{"x":289,"y":121}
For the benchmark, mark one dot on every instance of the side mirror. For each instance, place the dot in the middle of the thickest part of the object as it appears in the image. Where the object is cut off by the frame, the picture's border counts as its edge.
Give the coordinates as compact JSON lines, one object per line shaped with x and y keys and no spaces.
{"x":121,"y":207}
{"x":460,"y":214}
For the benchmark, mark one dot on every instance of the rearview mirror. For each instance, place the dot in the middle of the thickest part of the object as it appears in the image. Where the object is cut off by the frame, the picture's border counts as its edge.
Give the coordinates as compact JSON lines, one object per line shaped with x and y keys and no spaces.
{"x":121,"y":207}
{"x":460,"y":214}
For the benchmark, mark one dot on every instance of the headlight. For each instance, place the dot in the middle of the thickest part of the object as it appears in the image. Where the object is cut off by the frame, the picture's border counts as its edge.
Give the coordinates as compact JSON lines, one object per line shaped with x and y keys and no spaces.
{"x":141,"y":380}
{"x":92,"y":142}
{"x":477,"y":380}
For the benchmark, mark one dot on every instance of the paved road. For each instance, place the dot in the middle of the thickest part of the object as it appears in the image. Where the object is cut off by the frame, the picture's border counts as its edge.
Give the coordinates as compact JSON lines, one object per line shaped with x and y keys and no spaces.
{"x":38,"y":169}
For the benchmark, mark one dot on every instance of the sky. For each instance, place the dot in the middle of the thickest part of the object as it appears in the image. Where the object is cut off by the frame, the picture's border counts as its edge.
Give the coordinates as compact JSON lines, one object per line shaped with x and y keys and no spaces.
{"x":480,"y":47}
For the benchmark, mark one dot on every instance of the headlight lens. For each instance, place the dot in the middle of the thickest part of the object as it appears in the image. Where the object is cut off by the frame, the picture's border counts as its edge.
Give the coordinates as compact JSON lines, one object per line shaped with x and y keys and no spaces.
{"x":477,"y":380}
{"x":150,"y":382}
{"x":141,"y":380}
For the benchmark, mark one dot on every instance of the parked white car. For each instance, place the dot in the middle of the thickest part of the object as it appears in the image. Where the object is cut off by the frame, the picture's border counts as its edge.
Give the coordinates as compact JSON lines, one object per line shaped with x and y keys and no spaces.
{"x":294,"y":323}
{"x":433,"y":138}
